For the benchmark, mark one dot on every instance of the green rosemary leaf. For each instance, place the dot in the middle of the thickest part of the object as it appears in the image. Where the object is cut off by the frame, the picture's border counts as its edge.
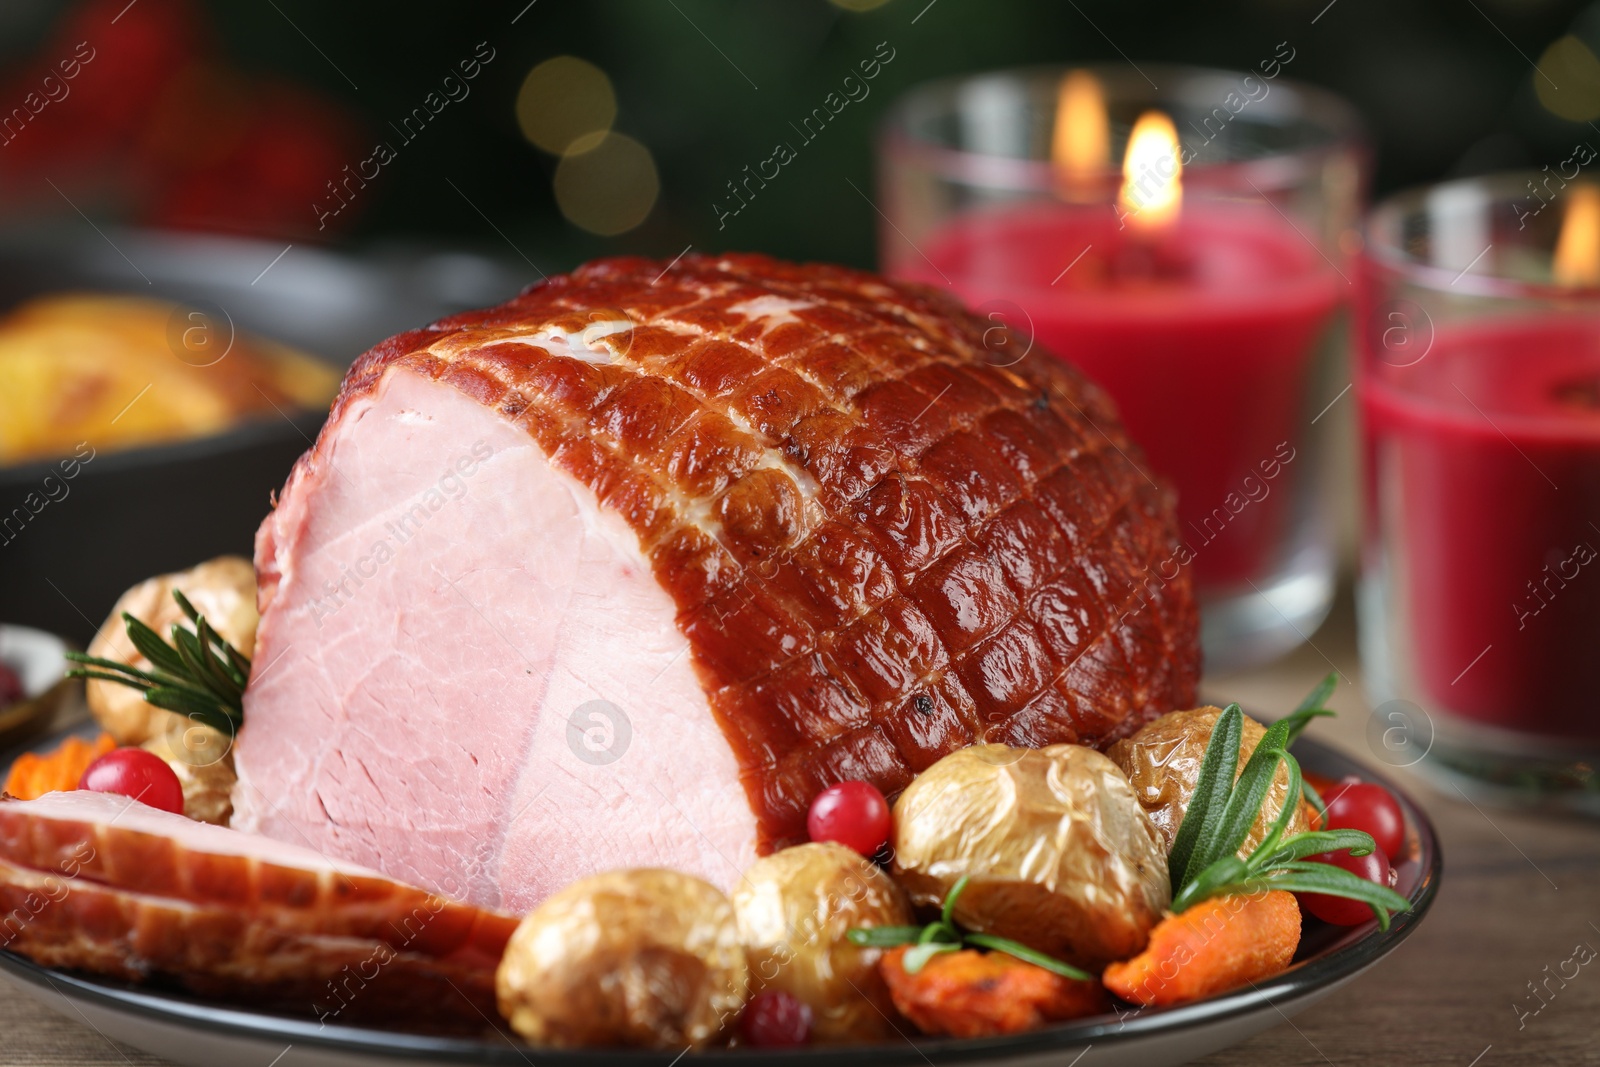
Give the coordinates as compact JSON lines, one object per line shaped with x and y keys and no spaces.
{"x":883,"y":936}
{"x":99,"y":661}
{"x":106,"y":676}
{"x":949,"y":908}
{"x":239,"y":661}
{"x":200,"y":712}
{"x":917,"y":958}
{"x":1028,"y":955}
{"x":1313,"y":878}
{"x":151,"y":647}
{"x":1229,"y":870}
{"x":1211,"y":791}
{"x":211,"y":641}
{"x":1313,"y":797}
{"x":1312,"y":843}
{"x":1317,"y":699}
{"x":135,"y":676}
{"x":235,"y":661}
{"x":1286,"y":813}
{"x":1315,"y":705}
{"x":1299,"y":720}
{"x":199,"y":707}
{"x":1244,"y":802}
{"x":1310,"y":866}
{"x":188,"y":646}
{"x":1307,"y":877}
{"x":202,"y":670}
{"x":187,"y":608}
{"x":122,"y":673}
{"x":219,"y":680}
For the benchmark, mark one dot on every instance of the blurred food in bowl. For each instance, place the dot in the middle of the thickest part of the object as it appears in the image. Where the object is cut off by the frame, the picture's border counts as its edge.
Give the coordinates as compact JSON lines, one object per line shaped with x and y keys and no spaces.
{"x":33,"y":678}
{"x":117,"y":371}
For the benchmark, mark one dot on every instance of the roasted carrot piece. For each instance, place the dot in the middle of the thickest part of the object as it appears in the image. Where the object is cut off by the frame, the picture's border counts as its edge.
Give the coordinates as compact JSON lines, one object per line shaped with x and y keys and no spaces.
{"x":982,"y":994}
{"x":1215,"y":946}
{"x":33,"y":775}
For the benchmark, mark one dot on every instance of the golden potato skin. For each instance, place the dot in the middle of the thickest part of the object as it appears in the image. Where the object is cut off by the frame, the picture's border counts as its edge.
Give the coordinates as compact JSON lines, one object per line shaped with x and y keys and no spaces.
{"x":643,"y":958}
{"x":222,"y":589}
{"x":1060,"y":855}
{"x":1162,"y":762}
{"x":794,"y":908}
{"x":202,"y":758}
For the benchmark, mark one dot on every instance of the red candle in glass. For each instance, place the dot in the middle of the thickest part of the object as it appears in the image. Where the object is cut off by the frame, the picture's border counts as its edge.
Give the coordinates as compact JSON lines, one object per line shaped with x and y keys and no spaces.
{"x":1196,"y":283}
{"x":1489,"y":449}
{"x":1203,"y":331}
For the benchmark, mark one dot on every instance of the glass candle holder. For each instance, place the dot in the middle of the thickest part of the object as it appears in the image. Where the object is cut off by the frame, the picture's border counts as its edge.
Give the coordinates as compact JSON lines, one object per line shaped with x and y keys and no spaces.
{"x":1480,"y":396}
{"x":1183,"y":236}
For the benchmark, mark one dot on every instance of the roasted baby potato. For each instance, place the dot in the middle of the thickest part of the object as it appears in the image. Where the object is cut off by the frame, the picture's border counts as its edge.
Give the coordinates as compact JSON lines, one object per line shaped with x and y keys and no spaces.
{"x":642,"y":958}
{"x":222,"y":589}
{"x":1162,"y":762}
{"x":1058,"y":853}
{"x":794,"y":908}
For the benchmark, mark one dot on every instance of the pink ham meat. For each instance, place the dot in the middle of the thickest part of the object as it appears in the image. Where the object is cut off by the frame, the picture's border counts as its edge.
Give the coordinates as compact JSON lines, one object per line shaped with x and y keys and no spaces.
{"x":626,"y":570}
{"x":100,"y":883}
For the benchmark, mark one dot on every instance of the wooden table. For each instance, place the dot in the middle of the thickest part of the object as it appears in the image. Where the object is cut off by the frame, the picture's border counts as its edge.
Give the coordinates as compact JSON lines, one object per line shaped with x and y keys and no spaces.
{"x":1518,"y":895}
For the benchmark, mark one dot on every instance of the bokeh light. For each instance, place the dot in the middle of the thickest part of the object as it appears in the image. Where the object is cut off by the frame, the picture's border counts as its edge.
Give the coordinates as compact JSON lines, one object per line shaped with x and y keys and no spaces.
{"x":566,"y":104}
{"x":608,"y":189}
{"x":1568,"y":80}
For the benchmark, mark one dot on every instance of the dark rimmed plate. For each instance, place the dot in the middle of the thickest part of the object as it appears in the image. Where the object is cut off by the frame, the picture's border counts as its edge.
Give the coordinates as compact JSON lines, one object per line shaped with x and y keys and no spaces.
{"x":187,"y":1030}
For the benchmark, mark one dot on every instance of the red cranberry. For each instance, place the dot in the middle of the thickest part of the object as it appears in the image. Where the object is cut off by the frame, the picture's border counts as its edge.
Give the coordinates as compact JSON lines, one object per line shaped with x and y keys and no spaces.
{"x":1368,"y":807}
{"x":852,"y":813}
{"x":775,"y":1019}
{"x":135,"y":773}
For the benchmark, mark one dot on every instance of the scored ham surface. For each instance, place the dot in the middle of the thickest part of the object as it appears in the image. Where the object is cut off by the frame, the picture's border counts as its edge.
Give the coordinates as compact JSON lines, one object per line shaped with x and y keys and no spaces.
{"x":98,"y":882}
{"x":624,"y":571}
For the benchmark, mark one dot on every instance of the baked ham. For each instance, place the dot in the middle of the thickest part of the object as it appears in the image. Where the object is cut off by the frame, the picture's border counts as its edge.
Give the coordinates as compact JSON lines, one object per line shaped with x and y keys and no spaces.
{"x":101,"y":883}
{"x":626,"y":570}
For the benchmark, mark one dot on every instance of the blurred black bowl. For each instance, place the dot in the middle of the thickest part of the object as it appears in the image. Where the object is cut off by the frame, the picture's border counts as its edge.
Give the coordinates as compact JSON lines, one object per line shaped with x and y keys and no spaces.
{"x":133,"y":513}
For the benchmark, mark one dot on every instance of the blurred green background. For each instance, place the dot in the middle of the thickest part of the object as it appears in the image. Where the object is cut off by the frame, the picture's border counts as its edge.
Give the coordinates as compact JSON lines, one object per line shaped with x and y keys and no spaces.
{"x":707,"y":86}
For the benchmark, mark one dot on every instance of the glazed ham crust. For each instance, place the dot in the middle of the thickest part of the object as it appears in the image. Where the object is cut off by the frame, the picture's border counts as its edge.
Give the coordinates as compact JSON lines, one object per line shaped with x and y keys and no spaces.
{"x":883,"y":540}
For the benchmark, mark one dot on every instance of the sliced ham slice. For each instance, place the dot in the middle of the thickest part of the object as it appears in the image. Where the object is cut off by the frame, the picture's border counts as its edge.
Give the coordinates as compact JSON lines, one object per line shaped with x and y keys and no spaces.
{"x":100,"y":883}
{"x":623,"y":572}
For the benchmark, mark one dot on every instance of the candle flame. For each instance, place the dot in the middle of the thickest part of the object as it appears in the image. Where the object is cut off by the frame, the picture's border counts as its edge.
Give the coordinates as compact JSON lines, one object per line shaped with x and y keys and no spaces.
{"x":1577,"y":259}
{"x":1081,"y":145}
{"x":1152,"y":192}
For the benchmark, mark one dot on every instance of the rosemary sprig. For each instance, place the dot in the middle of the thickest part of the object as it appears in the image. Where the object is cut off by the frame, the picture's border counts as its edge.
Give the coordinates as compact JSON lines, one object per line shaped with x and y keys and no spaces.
{"x":1204,"y":859}
{"x":199,"y":674}
{"x":943,"y":935}
{"x":1315,"y":702}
